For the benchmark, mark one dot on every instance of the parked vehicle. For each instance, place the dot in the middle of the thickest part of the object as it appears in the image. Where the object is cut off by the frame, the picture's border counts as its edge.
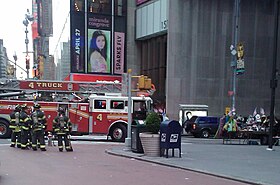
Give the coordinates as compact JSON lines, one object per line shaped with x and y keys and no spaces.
{"x":202,"y":126}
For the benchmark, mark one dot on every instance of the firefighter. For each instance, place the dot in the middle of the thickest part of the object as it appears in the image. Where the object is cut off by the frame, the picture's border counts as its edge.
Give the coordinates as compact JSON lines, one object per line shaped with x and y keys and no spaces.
{"x":24,"y":122}
{"x":62,"y":128}
{"x":14,"y":126}
{"x":38,"y":127}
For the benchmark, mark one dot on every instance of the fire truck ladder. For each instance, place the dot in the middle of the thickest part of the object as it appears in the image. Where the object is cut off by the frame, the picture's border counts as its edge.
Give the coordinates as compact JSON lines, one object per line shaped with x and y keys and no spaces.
{"x":12,"y":85}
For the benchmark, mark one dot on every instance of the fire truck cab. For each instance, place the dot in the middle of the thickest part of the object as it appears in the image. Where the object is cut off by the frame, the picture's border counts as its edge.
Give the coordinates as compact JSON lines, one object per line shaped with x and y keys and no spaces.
{"x":108,"y":114}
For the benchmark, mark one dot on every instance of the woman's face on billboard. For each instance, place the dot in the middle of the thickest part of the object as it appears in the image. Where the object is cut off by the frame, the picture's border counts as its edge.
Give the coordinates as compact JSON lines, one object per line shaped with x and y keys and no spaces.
{"x":100,"y":42}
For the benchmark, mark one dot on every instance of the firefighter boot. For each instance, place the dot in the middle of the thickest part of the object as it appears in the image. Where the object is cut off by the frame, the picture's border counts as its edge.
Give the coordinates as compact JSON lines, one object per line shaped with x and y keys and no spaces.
{"x":69,"y":149}
{"x":60,"y":148}
{"x":12,"y":145}
{"x":43,"y":148}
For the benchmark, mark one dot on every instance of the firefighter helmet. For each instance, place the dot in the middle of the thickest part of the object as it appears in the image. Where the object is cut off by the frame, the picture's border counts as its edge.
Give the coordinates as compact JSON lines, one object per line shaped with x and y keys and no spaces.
{"x":38,"y":106}
{"x":61,"y":110}
{"x":24,"y":106}
{"x":17,"y":108}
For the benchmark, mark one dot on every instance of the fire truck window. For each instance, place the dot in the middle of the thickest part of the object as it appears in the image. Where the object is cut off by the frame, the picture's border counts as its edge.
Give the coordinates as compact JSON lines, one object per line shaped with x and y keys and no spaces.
{"x":117,"y":104}
{"x":139,"y":106}
{"x":100,"y":104}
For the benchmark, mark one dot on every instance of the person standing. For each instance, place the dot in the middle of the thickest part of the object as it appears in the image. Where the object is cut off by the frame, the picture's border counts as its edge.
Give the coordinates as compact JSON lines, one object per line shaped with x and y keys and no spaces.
{"x":15,"y":127}
{"x":24,"y":122}
{"x":62,"y":128}
{"x":38,"y":127}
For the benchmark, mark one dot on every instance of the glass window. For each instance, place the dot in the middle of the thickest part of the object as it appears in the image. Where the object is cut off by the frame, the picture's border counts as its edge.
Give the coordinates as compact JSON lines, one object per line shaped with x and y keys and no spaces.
{"x":120,"y":7}
{"x":78,"y":5}
{"x":117,"y":104}
{"x":202,"y":120}
{"x":100,"y":6}
{"x":100,"y":104}
{"x":139,"y":106}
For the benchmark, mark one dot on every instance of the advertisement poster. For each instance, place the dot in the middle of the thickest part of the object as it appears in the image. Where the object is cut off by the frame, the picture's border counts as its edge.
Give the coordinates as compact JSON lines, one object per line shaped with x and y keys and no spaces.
{"x":99,"y":44}
{"x":77,"y":43}
{"x":119,"y":53}
{"x":99,"y":51}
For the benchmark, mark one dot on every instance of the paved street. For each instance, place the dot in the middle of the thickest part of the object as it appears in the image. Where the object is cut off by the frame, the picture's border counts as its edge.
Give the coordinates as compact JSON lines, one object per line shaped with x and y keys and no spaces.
{"x":203,"y":162}
{"x":90,"y":164}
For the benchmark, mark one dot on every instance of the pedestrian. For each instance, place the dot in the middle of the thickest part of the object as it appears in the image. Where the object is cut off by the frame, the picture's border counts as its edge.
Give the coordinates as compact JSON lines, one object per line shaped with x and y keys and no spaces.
{"x":25,"y":123}
{"x":62,"y":128}
{"x":15,"y":127}
{"x":38,"y":127}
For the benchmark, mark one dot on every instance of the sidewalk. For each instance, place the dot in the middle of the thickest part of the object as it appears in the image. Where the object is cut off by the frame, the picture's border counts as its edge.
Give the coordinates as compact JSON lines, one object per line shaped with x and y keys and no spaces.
{"x":253,"y":164}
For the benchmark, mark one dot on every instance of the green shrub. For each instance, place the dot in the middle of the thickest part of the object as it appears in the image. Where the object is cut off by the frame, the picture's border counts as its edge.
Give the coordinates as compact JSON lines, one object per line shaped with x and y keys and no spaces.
{"x":152,"y":122}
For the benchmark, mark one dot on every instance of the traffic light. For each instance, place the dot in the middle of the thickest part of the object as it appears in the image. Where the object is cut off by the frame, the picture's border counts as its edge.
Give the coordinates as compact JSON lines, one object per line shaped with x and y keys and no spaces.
{"x":148,"y":84}
{"x":144,"y":83}
{"x":141,"y":82}
{"x":27,"y":61}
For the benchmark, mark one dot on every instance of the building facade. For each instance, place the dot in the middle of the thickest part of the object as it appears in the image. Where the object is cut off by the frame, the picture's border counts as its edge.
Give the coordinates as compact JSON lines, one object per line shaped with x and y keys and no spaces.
{"x":42,"y":29}
{"x":3,"y":60}
{"x":65,"y":61}
{"x":189,"y":57}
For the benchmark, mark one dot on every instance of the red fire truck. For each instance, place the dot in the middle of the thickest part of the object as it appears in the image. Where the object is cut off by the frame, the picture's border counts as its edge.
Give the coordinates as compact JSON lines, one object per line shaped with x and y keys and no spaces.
{"x":93,"y":108}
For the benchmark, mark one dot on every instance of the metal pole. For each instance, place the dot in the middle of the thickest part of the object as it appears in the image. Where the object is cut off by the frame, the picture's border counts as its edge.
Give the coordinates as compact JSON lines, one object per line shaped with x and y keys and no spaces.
{"x":235,"y":40}
{"x":26,"y":42}
{"x":273,"y":81}
{"x":129,"y":118}
{"x":15,"y":58}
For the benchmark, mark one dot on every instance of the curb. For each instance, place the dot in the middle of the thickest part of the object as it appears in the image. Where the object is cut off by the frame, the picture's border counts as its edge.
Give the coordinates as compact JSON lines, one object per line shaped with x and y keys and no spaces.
{"x":140,"y":158}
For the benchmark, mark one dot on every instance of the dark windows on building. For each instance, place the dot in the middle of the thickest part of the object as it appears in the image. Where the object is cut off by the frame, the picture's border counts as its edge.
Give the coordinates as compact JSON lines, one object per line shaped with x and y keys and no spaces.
{"x":120,"y":7}
{"x":153,"y":63}
{"x":100,"y":6}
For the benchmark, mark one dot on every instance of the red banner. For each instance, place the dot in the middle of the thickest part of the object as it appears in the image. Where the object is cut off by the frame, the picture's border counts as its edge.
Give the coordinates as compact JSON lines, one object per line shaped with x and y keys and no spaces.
{"x":44,"y":85}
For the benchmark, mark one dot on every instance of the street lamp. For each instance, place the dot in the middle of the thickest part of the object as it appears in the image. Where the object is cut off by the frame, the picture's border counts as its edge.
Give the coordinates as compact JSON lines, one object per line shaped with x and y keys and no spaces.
{"x":28,"y":18}
{"x":234,"y":51}
{"x":15,"y":59}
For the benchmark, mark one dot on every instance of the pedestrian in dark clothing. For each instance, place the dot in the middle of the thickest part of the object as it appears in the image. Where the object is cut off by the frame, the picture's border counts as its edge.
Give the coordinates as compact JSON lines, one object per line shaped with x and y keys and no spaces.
{"x":62,"y":128}
{"x":38,"y":128}
{"x":15,"y":127}
{"x":25,"y":123}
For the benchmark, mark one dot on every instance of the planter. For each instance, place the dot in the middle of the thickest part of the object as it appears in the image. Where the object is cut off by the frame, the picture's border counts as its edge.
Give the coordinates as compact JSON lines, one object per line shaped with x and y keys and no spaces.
{"x":151,"y":144}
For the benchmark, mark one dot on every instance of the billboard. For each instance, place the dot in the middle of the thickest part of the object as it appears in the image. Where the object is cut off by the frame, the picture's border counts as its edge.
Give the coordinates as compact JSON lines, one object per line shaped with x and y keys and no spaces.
{"x":119,"y":52}
{"x":77,"y":43}
{"x":99,"y":59}
{"x":99,"y":44}
{"x":97,"y":41}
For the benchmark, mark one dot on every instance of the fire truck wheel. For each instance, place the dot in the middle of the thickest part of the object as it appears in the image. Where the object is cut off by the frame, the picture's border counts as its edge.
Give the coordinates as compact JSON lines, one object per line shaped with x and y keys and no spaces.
{"x":118,"y":133}
{"x":4,"y":129}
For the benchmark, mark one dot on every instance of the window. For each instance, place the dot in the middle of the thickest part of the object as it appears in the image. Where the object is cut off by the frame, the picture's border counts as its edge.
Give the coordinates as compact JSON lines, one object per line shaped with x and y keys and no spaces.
{"x":202,"y":120}
{"x":100,"y":104}
{"x":139,"y":106}
{"x":100,"y":6}
{"x":120,"y":7}
{"x":78,"y":5}
{"x":213,"y":120}
{"x":117,"y":104}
